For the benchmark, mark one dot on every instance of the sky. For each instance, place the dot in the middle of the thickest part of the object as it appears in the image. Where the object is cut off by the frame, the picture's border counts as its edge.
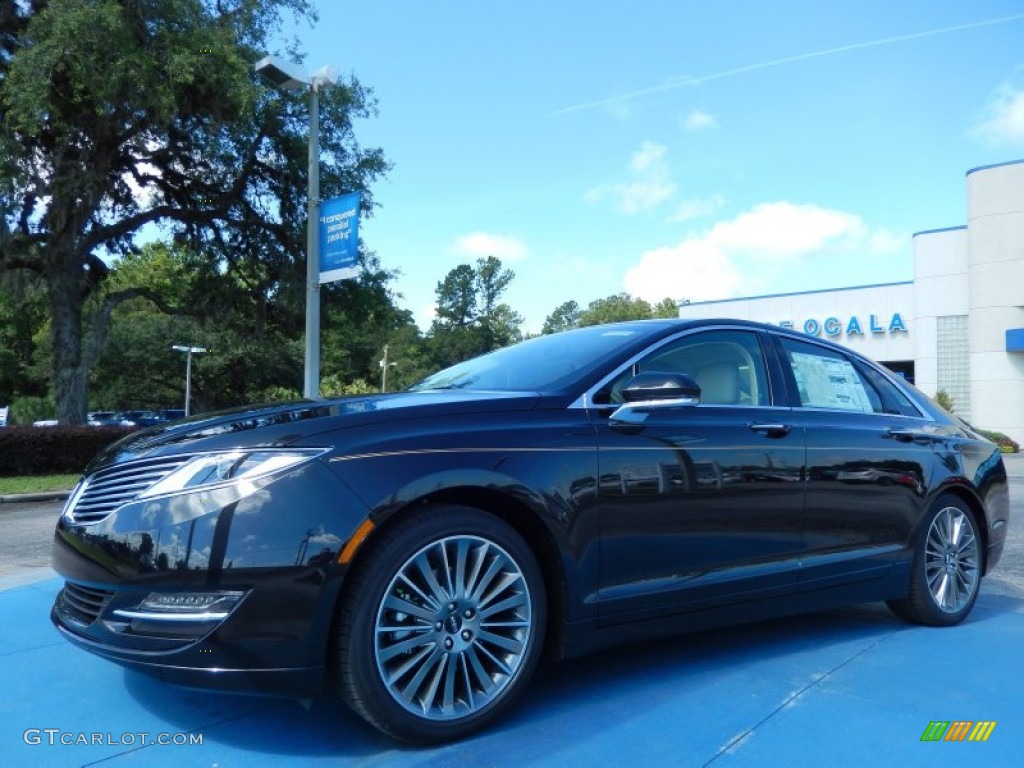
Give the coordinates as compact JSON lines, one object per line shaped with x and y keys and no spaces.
{"x":674,"y":149}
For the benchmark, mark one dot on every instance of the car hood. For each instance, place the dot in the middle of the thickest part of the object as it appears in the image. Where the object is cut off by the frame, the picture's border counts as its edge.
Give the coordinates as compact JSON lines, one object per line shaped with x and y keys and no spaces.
{"x":283,"y":424}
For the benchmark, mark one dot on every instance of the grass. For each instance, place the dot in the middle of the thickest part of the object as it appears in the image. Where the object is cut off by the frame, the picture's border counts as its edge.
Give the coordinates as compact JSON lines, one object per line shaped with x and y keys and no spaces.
{"x":37,"y":483}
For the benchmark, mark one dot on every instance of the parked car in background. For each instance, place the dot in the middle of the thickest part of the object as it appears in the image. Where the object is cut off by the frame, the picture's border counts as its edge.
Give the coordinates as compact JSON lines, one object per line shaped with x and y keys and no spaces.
{"x":139,"y":418}
{"x":102,"y":418}
{"x":418,"y":551}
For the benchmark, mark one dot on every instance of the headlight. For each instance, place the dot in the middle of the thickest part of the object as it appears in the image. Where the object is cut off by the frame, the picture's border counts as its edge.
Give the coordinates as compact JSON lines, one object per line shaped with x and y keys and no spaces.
{"x":214,"y":469}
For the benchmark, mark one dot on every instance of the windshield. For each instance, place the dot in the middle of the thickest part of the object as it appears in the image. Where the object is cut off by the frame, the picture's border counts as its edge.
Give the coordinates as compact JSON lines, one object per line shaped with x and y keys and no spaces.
{"x":544,"y":363}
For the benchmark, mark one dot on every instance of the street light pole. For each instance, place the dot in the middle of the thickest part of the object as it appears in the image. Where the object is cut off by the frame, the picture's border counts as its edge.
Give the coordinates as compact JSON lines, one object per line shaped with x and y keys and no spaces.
{"x":284,"y":74}
{"x":385,"y":365}
{"x":311,"y":387}
{"x":189,"y":351}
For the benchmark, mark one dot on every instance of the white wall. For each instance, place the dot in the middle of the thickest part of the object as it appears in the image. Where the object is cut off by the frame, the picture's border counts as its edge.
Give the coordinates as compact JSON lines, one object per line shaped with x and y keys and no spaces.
{"x":940,"y":289}
{"x":882,"y":301}
{"x":995,"y":244}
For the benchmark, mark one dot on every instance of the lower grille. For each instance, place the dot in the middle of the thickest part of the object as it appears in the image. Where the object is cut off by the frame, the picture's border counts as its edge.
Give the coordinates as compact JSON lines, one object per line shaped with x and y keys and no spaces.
{"x":82,"y":605}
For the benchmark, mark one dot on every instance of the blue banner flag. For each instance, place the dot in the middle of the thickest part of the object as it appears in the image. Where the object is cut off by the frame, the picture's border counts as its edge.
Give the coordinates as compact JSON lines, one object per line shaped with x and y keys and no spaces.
{"x":339,"y":238}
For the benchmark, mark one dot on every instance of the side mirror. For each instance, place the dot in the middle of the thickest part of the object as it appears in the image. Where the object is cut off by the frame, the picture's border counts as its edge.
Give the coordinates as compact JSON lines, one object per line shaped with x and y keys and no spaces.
{"x":651,"y":390}
{"x":654,"y":386}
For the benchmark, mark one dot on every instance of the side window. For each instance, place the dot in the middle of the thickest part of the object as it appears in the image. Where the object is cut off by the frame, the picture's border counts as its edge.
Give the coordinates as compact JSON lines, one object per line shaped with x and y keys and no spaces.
{"x":893,"y":400}
{"x":728,"y":365}
{"x":827,"y":379}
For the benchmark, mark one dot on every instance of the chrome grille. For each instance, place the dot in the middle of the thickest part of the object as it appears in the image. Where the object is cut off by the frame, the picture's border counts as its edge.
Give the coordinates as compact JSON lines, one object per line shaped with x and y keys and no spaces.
{"x":82,"y":605}
{"x":108,"y":489}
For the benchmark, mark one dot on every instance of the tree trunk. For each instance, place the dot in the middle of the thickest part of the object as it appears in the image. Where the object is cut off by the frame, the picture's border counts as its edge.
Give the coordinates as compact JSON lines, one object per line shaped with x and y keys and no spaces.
{"x":70,"y":376}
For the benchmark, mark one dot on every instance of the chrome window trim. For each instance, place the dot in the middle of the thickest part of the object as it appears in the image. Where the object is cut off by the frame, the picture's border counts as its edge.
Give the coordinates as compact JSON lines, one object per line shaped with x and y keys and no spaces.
{"x":636,"y":412}
{"x":586,"y":400}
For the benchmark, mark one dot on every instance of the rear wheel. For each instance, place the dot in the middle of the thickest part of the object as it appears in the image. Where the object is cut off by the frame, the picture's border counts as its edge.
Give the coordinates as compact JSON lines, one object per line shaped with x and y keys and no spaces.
{"x":442,"y":626}
{"x":947,"y":567}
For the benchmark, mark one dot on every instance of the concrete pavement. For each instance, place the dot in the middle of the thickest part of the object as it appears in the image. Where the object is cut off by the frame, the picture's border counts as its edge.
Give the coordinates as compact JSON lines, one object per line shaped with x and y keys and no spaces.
{"x":849,"y":687}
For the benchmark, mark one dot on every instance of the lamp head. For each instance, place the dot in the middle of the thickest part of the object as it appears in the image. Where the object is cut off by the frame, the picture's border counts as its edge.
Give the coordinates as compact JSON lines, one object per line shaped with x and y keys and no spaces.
{"x":281,"y":73}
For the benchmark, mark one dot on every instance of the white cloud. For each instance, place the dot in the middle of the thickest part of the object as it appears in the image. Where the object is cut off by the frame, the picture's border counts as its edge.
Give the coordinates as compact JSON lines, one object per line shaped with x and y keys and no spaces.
{"x":425,"y":315}
{"x":650,"y":183}
{"x":772,"y":230}
{"x":643,"y":195}
{"x":1004,"y":117}
{"x":694,"y":269}
{"x":751,"y":248}
{"x":699,"y":120}
{"x":649,"y":156}
{"x":698,"y":208}
{"x":484,"y":244}
{"x":883,"y":241}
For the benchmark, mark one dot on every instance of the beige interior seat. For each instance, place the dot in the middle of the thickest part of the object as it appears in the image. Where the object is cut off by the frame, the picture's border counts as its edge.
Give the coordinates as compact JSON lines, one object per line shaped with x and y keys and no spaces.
{"x":719,"y":384}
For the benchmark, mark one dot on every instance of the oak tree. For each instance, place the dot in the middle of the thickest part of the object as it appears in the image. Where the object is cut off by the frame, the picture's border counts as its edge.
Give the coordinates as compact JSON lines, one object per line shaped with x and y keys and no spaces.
{"x":120,"y":114}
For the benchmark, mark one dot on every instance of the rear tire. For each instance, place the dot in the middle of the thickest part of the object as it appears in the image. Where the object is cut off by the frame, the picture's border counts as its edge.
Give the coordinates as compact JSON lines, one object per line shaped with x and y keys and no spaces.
{"x":946,"y":573}
{"x":441,"y":626}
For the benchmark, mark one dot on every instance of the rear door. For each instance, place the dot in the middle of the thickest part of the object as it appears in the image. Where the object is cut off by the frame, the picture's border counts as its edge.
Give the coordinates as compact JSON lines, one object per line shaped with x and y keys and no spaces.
{"x":869,"y":463}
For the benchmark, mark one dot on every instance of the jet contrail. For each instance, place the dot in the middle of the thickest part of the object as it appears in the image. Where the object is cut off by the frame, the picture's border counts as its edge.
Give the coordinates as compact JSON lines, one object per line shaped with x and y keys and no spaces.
{"x":687,"y":80}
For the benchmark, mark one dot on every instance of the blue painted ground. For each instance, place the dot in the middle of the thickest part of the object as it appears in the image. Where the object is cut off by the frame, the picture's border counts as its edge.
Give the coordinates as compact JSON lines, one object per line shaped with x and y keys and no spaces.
{"x":851,"y":687}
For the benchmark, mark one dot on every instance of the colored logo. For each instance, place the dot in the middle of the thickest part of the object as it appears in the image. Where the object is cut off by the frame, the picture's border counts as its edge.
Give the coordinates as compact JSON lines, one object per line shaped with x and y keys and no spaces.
{"x":958,"y":730}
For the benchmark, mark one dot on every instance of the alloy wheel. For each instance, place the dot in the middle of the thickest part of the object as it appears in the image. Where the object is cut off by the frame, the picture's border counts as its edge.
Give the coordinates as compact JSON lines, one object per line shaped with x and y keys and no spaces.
{"x":951,"y":560}
{"x":453,"y":628}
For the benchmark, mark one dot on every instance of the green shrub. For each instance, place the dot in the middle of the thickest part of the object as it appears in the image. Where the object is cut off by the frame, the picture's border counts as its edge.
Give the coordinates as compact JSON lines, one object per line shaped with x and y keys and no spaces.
{"x":25,"y":410}
{"x":334,"y":386}
{"x":53,"y":450}
{"x":276,"y":394}
{"x":943,"y":400}
{"x":1006,"y":445}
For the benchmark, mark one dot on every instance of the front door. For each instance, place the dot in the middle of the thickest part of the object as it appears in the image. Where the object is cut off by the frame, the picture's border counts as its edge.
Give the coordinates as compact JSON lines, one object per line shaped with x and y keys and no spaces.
{"x":699,"y":504}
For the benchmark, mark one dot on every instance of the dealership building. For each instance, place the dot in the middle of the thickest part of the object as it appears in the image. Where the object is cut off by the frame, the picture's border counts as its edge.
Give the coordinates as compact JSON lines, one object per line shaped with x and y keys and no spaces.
{"x":957,"y":326}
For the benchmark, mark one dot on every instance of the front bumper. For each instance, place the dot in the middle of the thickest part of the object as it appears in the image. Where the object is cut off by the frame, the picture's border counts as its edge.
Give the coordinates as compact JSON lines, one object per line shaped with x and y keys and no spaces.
{"x":275,"y":551}
{"x":264,"y":646}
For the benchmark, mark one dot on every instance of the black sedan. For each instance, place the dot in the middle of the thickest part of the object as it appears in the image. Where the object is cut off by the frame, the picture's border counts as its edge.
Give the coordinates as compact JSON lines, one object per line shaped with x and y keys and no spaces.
{"x":419,"y":551}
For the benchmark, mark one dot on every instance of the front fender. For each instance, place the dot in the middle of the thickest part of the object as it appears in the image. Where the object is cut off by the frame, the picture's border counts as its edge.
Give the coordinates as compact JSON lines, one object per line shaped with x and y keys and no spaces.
{"x":556,"y":487}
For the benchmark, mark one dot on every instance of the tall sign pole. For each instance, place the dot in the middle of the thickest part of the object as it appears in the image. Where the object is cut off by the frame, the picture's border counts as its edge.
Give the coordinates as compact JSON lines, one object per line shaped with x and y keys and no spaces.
{"x":311,"y":387}
{"x":290,"y":76}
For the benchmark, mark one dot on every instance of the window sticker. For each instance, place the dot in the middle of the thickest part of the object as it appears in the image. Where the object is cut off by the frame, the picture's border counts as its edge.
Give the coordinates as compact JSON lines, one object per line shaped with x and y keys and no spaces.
{"x":826,"y":382}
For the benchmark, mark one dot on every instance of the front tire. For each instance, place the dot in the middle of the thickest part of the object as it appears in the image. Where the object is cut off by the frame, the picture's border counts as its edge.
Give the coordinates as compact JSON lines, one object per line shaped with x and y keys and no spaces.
{"x":442,"y":625}
{"x":947,"y":567}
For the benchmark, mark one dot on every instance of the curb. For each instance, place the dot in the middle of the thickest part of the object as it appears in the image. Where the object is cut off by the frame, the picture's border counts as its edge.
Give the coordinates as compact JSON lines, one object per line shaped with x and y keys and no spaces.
{"x":14,"y":498}
{"x":25,"y":578}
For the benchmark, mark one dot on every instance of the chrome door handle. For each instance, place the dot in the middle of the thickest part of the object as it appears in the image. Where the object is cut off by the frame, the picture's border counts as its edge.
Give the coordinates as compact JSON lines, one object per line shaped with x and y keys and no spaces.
{"x":914,"y":435}
{"x":771,"y":429}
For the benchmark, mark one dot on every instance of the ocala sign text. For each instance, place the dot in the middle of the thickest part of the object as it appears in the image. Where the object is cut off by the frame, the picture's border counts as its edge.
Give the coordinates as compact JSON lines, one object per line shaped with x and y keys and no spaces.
{"x":833,"y":326}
